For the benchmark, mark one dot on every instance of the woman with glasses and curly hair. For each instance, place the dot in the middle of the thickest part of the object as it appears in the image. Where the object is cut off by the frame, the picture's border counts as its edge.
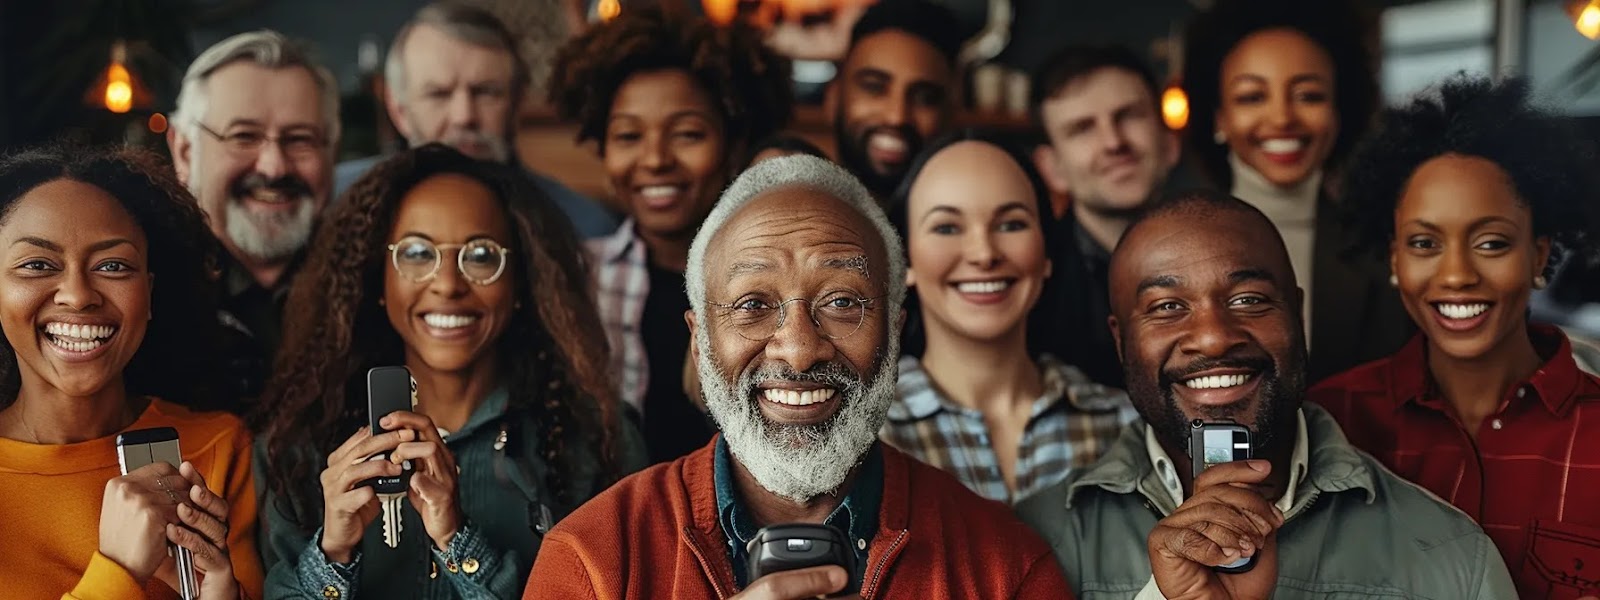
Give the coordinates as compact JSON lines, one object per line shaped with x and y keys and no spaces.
{"x":96,"y":345}
{"x":673,"y":104}
{"x":472,"y":279}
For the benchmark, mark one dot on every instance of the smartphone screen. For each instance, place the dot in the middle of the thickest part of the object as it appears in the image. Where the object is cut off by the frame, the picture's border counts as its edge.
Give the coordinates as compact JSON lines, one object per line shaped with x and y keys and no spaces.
{"x":1225,"y":445}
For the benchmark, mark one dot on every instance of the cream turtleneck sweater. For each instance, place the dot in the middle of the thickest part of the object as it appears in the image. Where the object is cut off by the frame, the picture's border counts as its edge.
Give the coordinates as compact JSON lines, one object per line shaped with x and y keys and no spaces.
{"x":1294,"y":211}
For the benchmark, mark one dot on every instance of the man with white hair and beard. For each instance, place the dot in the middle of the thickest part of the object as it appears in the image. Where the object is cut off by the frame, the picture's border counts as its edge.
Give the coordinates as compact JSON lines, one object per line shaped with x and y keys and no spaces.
{"x":252,"y":138}
{"x":795,"y":283}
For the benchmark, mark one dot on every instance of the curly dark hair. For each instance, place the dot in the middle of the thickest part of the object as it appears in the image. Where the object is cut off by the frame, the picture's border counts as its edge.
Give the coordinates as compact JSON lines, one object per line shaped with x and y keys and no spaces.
{"x":335,"y":330}
{"x":1339,"y":26}
{"x":748,"y":82}
{"x":171,"y":363}
{"x":1551,"y":168}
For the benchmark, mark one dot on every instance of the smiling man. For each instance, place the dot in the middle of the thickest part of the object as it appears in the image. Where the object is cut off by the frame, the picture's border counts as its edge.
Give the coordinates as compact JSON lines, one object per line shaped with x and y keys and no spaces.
{"x":795,"y":283}
{"x":895,"y":89}
{"x":1206,"y":315}
{"x":252,"y":138}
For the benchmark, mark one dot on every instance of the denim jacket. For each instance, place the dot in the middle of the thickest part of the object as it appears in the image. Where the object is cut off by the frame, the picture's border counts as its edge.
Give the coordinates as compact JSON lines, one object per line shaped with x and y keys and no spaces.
{"x":1355,"y":529}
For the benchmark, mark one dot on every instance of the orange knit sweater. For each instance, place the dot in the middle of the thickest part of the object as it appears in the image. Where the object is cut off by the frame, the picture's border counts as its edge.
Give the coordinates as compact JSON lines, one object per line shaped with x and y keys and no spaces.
{"x":50,"y":508}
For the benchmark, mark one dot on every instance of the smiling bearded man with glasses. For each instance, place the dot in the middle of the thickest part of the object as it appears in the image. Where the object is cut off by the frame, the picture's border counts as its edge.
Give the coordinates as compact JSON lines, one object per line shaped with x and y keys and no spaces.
{"x":253,"y":138}
{"x":795,"y":284}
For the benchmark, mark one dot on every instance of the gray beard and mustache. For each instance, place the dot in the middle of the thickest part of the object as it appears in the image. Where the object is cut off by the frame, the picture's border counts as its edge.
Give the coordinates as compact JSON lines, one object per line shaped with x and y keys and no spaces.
{"x":799,"y":462}
{"x":270,"y":236}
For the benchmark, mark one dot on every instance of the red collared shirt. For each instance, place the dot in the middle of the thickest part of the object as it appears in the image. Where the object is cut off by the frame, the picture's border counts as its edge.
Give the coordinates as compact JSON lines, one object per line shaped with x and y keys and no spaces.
{"x":1532,"y":476}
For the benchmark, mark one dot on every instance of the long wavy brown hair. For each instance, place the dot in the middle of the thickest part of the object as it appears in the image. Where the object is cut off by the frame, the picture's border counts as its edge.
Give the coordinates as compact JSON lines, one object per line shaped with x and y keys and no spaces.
{"x":334,"y":331}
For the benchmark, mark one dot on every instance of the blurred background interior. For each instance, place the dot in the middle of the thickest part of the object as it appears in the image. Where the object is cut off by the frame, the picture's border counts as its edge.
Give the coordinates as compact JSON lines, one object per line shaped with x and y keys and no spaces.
{"x":108,"y":70}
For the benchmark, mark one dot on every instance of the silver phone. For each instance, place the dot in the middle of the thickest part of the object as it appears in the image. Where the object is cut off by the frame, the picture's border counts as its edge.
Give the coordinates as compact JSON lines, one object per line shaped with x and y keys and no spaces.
{"x":141,"y":447}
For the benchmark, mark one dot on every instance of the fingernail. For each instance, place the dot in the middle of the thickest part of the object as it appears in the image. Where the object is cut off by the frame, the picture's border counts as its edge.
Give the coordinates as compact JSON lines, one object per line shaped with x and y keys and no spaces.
{"x":1230,"y":553}
{"x":1261,"y":465}
{"x":1246,"y":546}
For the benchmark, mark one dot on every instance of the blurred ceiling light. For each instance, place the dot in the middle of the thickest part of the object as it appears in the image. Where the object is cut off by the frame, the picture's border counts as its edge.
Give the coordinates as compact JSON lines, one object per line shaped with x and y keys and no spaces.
{"x":157,"y":123}
{"x":1175,"y":107}
{"x":721,"y":12}
{"x":116,"y":89}
{"x":1588,"y":19}
{"x":609,"y":9}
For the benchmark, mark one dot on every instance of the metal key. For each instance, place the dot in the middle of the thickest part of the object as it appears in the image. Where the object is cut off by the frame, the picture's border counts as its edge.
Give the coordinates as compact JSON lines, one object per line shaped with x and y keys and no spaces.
{"x":391,"y":518}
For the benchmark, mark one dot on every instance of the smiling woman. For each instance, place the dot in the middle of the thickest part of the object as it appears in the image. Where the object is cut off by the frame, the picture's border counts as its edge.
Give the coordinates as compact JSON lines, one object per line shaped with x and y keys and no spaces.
{"x":93,"y":348}
{"x":465,"y":273}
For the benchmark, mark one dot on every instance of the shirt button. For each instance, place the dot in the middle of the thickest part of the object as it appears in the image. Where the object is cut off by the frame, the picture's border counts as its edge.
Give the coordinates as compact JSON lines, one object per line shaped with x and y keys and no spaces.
{"x":861,"y":543}
{"x":1522,"y":392}
{"x":451,"y":567}
{"x":469,"y":566}
{"x":1496,"y":424}
{"x":330,"y":592}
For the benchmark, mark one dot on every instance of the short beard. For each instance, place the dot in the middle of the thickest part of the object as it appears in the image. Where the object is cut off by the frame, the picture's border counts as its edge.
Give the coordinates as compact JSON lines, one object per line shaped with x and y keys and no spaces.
{"x":799,"y":463}
{"x":267,"y":237}
{"x":853,"y":156}
{"x":1283,"y":387}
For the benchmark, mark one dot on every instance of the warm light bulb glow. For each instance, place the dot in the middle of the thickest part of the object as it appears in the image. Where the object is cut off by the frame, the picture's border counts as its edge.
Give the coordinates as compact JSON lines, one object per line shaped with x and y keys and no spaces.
{"x":609,"y":9}
{"x":119,"y":89}
{"x":1588,"y":21}
{"x":1175,"y":108}
{"x":720,"y":12}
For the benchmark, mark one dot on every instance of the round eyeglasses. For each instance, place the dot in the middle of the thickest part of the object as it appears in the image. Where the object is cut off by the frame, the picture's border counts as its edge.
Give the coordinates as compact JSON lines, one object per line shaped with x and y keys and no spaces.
{"x":481,"y":261}
{"x":836,"y":315}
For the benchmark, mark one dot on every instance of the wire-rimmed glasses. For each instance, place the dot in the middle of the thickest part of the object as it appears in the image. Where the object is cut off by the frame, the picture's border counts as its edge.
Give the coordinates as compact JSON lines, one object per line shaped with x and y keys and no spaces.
{"x":482,"y":261}
{"x":836,"y":315}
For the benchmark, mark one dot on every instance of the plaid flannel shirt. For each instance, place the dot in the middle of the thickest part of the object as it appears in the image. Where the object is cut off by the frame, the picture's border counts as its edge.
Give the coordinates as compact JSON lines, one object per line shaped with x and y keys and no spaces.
{"x":622,"y":282}
{"x":1072,"y":424}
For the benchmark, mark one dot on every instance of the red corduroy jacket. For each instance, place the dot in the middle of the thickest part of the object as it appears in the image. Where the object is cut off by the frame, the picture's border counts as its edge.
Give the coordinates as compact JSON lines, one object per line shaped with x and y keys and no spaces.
{"x":656,"y":535}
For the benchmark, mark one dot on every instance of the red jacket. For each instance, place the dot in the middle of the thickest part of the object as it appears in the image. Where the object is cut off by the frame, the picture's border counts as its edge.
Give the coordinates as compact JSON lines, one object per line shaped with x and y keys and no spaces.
{"x":656,"y":535}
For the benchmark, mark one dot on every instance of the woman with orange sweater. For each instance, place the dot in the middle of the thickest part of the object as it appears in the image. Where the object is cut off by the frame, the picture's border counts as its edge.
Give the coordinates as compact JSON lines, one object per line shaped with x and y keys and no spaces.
{"x":93,"y":348}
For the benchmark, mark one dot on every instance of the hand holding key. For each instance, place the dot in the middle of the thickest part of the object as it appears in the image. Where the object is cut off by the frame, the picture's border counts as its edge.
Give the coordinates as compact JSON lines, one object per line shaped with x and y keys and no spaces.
{"x":348,"y":506}
{"x":433,"y":482}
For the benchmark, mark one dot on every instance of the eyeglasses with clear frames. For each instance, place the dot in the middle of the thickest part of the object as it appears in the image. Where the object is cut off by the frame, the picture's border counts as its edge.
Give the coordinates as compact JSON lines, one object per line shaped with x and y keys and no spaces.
{"x":837,"y":315}
{"x":250,"y":141}
{"x":481,"y":261}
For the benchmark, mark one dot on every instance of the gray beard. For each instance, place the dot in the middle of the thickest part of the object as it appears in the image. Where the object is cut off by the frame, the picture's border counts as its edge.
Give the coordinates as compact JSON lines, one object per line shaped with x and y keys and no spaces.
{"x":270,"y":237}
{"x":798,"y":463}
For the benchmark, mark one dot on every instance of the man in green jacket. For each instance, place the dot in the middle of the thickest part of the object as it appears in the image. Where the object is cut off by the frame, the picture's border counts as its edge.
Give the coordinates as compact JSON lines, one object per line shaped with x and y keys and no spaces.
{"x":1206,"y":315}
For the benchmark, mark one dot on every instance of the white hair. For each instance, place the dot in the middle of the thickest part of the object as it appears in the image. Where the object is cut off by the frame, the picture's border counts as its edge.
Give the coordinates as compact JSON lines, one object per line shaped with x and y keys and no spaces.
{"x":475,"y":25}
{"x":799,"y":462}
{"x":268,"y":49}
{"x":805,"y":171}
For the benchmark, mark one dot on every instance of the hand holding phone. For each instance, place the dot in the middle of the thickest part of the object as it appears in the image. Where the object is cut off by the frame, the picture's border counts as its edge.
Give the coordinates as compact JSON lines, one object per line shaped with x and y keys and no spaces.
{"x":358,"y":469}
{"x":791,"y":560}
{"x":1223,"y":522}
{"x":139,"y":506}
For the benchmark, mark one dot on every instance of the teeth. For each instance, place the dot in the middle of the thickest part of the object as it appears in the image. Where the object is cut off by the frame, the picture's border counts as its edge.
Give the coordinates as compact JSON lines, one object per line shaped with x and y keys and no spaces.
{"x":1213,"y":382}
{"x":1461,"y":311}
{"x":887,"y":143}
{"x":438,"y":321}
{"x":658,"y":191}
{"x":266,"y":195}
{"x":798,"y":398}
{"x":79,"y":332}
{"x":1281,"y":146}
{"x":983,"y":287}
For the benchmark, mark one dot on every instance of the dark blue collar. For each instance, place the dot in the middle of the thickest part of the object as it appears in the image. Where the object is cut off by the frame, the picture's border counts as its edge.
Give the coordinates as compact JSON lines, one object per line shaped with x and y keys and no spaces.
{"x":857,"y":516}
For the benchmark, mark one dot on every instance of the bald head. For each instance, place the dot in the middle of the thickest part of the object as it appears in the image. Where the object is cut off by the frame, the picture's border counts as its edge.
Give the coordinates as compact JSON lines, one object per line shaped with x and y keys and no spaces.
{"x":1202,"y":296}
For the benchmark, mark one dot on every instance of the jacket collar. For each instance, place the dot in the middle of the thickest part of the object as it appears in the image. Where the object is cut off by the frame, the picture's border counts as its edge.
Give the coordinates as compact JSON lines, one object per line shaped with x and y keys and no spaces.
{"x":1334,"y":466}
{"x":1556,"y":382}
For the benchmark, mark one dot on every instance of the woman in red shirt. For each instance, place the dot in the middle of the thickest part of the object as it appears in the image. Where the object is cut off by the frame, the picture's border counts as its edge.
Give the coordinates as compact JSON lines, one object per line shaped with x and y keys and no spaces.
{"x":1477,"y":195}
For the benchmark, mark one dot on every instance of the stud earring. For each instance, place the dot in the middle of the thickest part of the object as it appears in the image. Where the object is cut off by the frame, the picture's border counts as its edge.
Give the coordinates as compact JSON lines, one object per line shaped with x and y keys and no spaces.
{"x":1539,"y":282}
{"x":516,"y":305}
{"x":1394,"y":281}
{"x":1220,"y":138}
{"x":380,"y":302}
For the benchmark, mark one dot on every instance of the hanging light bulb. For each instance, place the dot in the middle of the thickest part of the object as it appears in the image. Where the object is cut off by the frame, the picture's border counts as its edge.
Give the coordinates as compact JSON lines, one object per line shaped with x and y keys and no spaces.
{"x":720,"y":12}
{"x":1588,"y":20}
{"x":116,"y":89}
{"x":1175,"y":107}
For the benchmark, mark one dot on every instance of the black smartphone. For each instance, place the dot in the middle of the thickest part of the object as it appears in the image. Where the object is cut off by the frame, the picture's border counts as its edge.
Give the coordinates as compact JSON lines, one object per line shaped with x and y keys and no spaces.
{"x":793,"y":546}
{"x":1212,"y":443}
{"x":141,"y":447}
{"x":389,"y":389}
